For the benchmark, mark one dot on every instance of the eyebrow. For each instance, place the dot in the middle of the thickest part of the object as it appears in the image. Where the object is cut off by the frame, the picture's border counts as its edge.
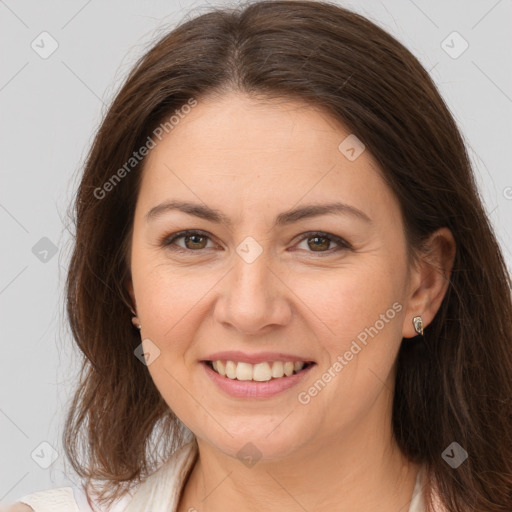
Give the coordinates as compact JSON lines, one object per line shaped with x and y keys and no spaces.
{"x":288,"y":217}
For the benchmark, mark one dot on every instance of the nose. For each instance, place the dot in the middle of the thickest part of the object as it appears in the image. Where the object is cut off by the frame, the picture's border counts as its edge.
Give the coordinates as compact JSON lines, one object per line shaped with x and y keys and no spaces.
{"x":254,"y":297}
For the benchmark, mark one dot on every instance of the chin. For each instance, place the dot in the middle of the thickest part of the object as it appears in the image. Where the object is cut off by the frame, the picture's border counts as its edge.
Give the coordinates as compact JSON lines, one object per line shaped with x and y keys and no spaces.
{"x":255,"y":441}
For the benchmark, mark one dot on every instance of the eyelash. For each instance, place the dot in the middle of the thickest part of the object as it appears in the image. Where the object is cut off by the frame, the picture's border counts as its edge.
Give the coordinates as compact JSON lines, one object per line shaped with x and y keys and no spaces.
{"x":169,"y":240}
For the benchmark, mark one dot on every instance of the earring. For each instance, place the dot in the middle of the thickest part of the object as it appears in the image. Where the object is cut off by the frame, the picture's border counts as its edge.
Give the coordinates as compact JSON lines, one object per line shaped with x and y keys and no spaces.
{"x":418,"y":324}
{"x":136,"y":323}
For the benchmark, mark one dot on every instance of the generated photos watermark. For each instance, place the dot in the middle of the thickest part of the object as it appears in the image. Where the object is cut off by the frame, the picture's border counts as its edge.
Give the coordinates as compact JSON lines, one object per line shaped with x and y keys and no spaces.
{"x":138,"y":156}
{"x":304,"y":397}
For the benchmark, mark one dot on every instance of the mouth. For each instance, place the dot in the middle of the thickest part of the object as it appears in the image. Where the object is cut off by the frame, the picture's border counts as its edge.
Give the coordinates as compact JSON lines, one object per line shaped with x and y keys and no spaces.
{"x":260,"y":372}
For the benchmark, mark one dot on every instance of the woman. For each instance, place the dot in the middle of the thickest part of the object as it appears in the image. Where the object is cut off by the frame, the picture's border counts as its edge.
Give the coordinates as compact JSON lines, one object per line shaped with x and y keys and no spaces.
{"x":284,"y":284}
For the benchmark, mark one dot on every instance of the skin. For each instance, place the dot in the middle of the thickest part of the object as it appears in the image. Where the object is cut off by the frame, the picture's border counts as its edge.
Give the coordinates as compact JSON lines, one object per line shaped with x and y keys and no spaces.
{"x":252,"y":160}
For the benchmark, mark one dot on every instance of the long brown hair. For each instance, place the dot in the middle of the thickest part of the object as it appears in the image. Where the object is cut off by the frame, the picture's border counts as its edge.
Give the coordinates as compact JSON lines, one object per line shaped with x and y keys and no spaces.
{"x":452,"y":385}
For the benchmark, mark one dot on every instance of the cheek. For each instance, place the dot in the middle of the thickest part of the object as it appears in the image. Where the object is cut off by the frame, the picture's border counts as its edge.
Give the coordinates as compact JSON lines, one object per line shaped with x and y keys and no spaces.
{"x":360,"y":319}
{"x":353,"y":300}
{"x":170,"y":309}
{"x":170,"y":301}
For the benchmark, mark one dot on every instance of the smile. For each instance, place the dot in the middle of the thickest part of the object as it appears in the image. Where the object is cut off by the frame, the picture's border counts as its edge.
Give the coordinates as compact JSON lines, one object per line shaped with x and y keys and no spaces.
{"x":260,"y":372}
{"x":288,"y":376}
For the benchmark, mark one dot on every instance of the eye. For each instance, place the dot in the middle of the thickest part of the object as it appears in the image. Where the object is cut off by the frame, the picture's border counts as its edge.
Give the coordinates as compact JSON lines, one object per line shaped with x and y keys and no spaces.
{"x":195,"y":241}
{"x":321,"y":240}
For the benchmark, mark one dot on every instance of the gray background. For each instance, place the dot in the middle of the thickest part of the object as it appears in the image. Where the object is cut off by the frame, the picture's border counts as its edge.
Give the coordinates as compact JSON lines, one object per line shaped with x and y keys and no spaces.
{"x":50,"y":108}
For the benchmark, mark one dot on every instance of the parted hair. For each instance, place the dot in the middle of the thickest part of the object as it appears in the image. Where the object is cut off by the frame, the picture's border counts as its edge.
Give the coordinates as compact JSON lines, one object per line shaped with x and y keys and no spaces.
{"x":453,"y":384}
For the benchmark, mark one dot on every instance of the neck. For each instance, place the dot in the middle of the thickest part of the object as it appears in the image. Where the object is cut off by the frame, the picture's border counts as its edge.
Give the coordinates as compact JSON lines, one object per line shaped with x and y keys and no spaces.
{"x":356,"y":470}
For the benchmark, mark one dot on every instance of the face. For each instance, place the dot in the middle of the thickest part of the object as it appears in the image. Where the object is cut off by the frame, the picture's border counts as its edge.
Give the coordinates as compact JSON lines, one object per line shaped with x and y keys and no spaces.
{"x":271,"y":286}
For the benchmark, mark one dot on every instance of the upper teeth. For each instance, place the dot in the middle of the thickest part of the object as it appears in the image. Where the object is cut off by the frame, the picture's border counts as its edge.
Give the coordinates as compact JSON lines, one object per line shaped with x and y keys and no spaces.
{"x":259,"y":372}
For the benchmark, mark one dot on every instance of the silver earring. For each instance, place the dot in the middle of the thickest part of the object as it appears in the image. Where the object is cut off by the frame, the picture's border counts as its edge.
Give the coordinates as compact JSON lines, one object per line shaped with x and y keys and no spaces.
{"x":418,"y":324}
{"x":135,"y":323}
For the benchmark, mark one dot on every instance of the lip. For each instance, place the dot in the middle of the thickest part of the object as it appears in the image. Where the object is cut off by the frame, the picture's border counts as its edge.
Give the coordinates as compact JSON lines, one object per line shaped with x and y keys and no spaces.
{"x":260,"y":357}
{"x":251,"y":389}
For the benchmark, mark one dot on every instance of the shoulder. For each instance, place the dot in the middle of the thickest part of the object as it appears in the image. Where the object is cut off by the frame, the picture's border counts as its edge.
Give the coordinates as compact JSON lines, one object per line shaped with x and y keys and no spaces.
{"x":61,"y":499}
{"x":17,"y":507}
{"x":166,"y":480}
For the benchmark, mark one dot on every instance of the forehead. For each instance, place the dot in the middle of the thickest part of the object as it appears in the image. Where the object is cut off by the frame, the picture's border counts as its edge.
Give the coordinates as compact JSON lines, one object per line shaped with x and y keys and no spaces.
{"x":241,"y":152}
{"x":237,"y":124}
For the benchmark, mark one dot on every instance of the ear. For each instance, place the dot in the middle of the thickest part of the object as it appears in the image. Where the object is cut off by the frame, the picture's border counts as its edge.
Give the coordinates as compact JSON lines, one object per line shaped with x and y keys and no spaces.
{"x":128,"y":285}
{"x":429,"y":280}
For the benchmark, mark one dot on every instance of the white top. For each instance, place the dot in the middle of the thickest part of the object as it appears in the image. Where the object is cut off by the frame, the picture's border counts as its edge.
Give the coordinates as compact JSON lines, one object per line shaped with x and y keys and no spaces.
{"x":160,"y":492}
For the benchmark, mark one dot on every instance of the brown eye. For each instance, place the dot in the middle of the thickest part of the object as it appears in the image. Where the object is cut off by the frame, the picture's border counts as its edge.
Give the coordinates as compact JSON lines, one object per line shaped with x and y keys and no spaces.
{"x":320,"y":243}
{"x":194,"y":241}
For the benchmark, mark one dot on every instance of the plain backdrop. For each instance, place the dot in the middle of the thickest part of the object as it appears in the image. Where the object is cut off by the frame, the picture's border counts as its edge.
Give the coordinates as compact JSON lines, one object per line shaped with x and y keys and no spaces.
{"x":51,"y":105}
